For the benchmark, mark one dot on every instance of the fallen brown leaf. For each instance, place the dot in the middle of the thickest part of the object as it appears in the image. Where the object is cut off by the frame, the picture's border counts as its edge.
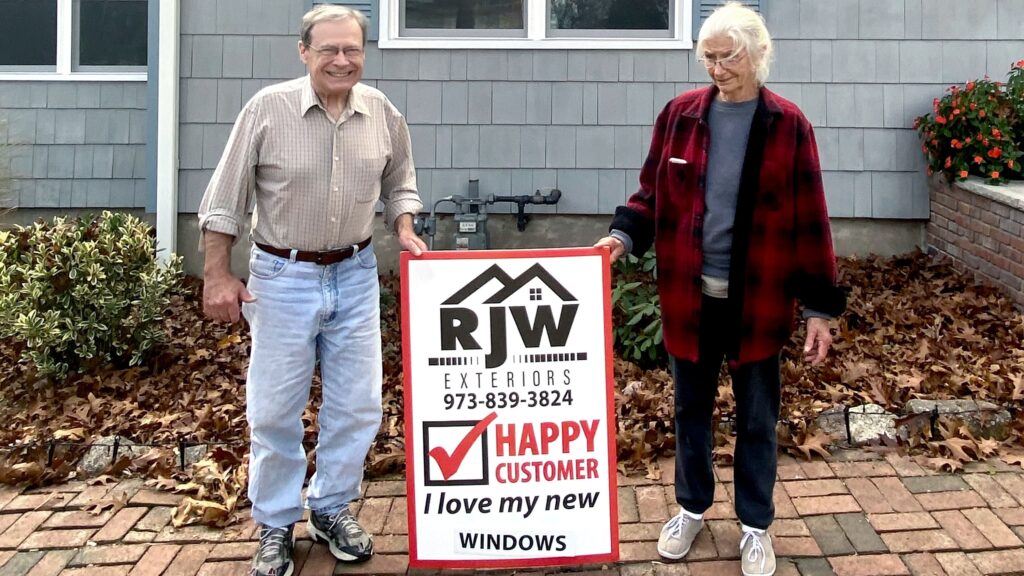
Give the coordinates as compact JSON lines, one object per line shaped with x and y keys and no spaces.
{"x":815,"y":443}
{"x":946,"y":464}
{"x":1016,"y":459}
{"x":113,"y":504}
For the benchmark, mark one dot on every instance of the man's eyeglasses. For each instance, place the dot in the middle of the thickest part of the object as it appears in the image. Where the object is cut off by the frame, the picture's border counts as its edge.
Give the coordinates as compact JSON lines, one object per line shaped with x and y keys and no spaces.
{"x":351,"y":52}
{"x":710,"y":61}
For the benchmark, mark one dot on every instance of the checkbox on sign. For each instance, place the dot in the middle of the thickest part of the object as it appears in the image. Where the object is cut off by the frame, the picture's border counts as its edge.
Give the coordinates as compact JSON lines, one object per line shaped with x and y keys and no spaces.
{"x":456,"y":452}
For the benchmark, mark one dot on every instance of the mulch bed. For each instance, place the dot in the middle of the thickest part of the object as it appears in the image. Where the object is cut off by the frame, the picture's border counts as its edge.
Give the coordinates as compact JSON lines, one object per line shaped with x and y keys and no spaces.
{"x":914,"y":329}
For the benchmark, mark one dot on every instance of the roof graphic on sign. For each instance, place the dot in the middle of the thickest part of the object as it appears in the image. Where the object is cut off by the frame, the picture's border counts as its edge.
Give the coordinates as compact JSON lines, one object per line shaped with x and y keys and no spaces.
{"x":509,"y":285}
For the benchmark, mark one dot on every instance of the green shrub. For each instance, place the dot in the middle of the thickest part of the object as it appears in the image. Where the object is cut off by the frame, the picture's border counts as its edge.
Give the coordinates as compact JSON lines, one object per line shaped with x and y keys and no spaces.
{"x":1015,"y":90}
{"x":636,"y":311}
{"x":81,"y":293}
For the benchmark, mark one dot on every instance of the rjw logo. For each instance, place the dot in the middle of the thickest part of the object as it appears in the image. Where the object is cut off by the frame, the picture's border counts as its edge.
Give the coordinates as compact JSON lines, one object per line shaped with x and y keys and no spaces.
{"x":458,"y":323}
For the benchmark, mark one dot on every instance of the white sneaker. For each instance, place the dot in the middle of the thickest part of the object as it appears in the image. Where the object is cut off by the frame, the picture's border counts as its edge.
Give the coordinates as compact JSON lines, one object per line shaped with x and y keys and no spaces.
{"x":757,"y":556}
{"x":678,"y":535}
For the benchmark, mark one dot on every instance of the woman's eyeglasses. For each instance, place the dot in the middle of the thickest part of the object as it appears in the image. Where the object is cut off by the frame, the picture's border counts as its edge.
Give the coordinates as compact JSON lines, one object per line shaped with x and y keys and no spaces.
{"x":711,"y":61}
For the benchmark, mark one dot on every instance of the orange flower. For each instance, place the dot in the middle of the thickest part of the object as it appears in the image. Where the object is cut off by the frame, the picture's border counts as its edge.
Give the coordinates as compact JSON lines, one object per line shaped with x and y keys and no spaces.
{"x":949,"y":162}
{"x":995,"y":152}
{"x":940,"y":119}
{"x":956,"y":144}
{"x":1019,"y":64}
{"x":930,"y":171}
{"x":1009,"y":164}
{"x":970,"y":85}
{"x":981,"y":113}
{"x":978,"y":160}
{"x":995,"y":174}
{"x":967,"y":140}
{"x":974,"y":106}
{"x":963,"y":173}
{"x":956,"y":111}
{"x":996,"y":133}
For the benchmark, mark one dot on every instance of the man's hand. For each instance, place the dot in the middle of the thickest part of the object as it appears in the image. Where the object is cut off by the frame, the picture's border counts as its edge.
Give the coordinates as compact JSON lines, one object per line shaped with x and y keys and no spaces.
{"x":819,"y":339}
{"x":221,"y":291}
{"x":613,"y":244}
{"x":221,"y":297}
{"x":407,"y":238}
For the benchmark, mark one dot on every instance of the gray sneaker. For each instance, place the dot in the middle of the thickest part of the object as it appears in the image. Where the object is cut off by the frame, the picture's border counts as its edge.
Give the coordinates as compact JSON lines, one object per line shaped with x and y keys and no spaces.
{"x":678,"y":535}
{"x":345,"y":537}
{"x":756,"y":554}
{"x":274,"y":555}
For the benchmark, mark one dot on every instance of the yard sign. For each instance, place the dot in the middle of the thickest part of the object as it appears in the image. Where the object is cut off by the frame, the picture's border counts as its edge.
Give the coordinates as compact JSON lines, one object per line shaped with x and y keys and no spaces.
{"x":509,"y":413}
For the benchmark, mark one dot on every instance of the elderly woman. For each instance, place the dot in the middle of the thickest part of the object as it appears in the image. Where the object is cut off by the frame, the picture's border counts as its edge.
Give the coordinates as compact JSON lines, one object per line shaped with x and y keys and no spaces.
{"x":731,"y":195}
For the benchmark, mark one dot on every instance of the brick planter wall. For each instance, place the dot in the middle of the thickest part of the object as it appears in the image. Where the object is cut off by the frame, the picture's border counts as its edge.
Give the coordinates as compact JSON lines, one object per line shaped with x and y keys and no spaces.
{"x":980,"y":228}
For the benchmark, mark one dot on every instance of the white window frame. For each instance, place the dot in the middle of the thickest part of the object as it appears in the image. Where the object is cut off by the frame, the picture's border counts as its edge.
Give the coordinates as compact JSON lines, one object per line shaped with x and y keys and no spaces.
{"x":536,"y":34}
{"x":65,"y":47}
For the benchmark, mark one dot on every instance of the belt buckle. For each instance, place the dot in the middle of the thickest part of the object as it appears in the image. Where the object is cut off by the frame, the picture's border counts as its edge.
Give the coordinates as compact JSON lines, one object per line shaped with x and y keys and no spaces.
{"x":319,"y":258}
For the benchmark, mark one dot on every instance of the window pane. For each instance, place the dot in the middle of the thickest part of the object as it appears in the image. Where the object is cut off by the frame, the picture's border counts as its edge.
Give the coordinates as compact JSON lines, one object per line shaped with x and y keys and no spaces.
{"x":28,"y":32}
{"x":609,"y":14}
{"x":112,"y":32}
{"x":464,"y":14}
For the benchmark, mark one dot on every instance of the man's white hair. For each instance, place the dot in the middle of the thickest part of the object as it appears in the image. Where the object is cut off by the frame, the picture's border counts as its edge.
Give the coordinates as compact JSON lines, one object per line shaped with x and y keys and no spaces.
{"x":748,"y":33}
{"x":327,"y":13}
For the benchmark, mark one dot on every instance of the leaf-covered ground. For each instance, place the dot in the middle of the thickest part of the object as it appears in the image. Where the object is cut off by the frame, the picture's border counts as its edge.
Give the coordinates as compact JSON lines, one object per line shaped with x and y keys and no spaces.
{"x":914,"y":329}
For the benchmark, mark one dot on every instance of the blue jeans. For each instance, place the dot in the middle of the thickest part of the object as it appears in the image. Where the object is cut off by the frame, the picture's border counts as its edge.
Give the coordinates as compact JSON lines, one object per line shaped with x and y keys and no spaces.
{"x":304,"y":311}
{"x":756,"y":387}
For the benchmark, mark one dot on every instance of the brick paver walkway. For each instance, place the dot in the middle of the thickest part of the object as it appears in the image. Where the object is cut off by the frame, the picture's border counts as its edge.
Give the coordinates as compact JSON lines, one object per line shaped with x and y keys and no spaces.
{"x":860,"y":514}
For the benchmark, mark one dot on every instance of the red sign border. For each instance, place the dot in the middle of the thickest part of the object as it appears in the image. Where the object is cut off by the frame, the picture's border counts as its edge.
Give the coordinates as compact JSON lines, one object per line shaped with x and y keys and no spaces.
{"x":410,"y":463}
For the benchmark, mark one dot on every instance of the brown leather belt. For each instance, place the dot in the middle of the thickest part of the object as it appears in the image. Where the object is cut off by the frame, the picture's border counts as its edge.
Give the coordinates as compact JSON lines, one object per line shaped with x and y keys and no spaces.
{"x":321,"y":258}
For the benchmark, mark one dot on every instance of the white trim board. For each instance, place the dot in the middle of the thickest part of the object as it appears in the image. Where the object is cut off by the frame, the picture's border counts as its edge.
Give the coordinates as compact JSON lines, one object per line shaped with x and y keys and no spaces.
{"x":388,"y":23}
{"x":167,"y":131}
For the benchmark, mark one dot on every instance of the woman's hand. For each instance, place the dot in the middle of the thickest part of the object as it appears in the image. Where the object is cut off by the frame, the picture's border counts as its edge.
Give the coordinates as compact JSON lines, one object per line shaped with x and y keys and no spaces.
{"x":819,"y":339}
{"x":614,"y":245}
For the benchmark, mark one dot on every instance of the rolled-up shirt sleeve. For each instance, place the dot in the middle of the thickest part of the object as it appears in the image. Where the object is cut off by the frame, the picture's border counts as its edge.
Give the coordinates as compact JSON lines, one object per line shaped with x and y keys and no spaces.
{"x":229,"y":193}
{"x":627,"y":241}
{"x":398,"y":182}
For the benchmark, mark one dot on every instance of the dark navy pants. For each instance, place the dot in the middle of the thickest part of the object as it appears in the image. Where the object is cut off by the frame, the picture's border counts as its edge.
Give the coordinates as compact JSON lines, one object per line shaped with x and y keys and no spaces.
{"x":756,"y":387}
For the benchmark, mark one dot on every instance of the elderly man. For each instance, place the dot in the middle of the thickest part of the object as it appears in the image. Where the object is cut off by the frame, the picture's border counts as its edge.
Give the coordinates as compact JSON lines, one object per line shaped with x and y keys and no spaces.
{"x":316,"y":153}
{"x":731,"y":194}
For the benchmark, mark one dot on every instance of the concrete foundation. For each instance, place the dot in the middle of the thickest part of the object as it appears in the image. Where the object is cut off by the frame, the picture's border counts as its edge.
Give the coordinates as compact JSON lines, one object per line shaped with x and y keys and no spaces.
{"x":861,"y":237}
{"x":851,"y":236}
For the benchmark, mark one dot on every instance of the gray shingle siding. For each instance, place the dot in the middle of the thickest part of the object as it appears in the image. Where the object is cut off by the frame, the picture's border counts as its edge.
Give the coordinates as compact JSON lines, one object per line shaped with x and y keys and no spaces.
{"x":74,"y":144}
{"x":861,"y":70}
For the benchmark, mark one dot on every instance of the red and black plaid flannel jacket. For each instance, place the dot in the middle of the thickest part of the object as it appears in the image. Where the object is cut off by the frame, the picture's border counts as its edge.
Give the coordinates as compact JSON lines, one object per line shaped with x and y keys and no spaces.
{"x":782,"y":245}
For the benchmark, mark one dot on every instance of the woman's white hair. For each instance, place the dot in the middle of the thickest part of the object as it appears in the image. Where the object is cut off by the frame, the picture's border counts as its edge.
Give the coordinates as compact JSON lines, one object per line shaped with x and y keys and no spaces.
{"x":748,"y":33}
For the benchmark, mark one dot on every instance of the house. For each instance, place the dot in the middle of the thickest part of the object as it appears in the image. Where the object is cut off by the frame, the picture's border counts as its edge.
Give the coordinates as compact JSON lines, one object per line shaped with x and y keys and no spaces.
{"x":127,"y":105}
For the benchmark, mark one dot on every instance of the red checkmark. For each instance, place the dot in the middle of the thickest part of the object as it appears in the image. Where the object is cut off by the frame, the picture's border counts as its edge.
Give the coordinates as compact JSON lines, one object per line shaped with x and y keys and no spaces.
{"x":449,"y":464}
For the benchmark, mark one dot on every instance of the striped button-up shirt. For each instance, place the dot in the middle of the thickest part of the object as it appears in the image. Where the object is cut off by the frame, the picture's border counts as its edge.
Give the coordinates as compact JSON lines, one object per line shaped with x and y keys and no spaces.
{"x":315,"y":181}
